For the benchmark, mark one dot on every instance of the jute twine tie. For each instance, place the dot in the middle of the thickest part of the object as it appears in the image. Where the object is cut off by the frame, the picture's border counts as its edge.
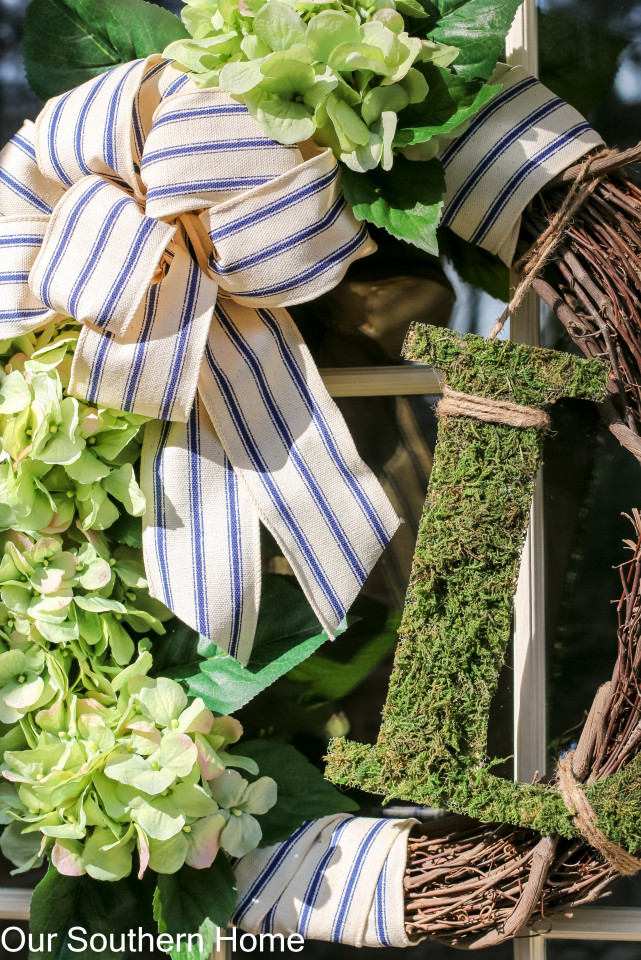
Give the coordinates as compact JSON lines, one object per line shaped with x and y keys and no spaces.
{"x":455,"y":404}
{"x":577,"y":803}
{"x":532,"y":263}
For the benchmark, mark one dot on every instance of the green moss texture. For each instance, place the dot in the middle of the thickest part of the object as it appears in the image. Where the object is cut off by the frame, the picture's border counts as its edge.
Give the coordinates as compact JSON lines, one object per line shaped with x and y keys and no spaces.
{"x":456,"y":623}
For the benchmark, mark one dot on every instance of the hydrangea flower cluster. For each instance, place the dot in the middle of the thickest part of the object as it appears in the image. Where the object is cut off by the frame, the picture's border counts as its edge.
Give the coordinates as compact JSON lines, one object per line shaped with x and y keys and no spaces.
{"x":141,"y":769}
{"x":60,"y":457}
{"x":332,"y":70}
{"x":64,"y":614}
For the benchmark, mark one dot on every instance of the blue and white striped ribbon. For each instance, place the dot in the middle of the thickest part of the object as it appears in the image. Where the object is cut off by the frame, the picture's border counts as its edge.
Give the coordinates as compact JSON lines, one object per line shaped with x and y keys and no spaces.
{"x":515,"y":144}
{"x":165,"y":220}
{"x":339,"y":879}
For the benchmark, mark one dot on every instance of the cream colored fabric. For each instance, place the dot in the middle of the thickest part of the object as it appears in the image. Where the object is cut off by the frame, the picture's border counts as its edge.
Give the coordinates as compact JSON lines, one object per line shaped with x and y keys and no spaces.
{"x":516,"y":143}
{"x":339,"y":878}
{"x":163,"y":219}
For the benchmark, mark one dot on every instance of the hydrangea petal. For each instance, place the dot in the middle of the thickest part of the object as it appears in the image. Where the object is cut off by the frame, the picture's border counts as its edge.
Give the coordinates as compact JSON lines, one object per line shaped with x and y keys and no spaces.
{"x":240,"y":835}
{"x":203,"y":841}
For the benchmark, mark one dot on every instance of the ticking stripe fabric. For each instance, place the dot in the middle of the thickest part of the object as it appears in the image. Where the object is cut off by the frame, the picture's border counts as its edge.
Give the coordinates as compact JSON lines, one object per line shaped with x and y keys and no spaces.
{"x":339,"y":879}
{"x":163,"y":219}
{"x":515,"y":144}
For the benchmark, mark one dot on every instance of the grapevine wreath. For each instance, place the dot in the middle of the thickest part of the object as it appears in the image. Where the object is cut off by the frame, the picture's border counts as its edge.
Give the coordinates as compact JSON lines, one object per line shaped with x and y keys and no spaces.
{"x":184,"y":184}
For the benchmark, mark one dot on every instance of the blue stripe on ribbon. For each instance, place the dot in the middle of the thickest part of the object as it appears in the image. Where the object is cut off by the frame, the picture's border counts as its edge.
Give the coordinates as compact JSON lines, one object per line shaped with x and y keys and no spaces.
{"x":313,"y":887}
{"x":194,"y":481}
{"x":105,"y":313}
{"x":303,"y":469}
{"x":280,"y":854}
{"x":196,"y":186}
{"x":53,"y":136}
{"x":520,"y":175}
{"x":175,"y":85}
{"x":82,"y":119}
{"x":98,"y":368}
{"x":136,"y":368}
{"x":312,"y":272}
{"x":110,"y":133}
{"x":23,"y":314}
{"x":160,"y":520}
{"x":380,"y":913}
{"x":296,"y":239}
{"x":268,"y":923}
{"x":181,"y":342}
{"x":282,"y":203}
{"x":109,"y":225}
{"x":12,"y":276}
{"x":208,"y":146}
{"x":502,"y":144}
{"x":25,"y":145}
{"x":21,"y":190}
{"x":252,"y":449}
{"x":351,"y":883}
{"x":25,"y":240}
{"x":198,"y":113}
{"x":235,"y":550}
{"x":484,"y":114}
{"x":65,"y":238}
{"x":139,"y":134}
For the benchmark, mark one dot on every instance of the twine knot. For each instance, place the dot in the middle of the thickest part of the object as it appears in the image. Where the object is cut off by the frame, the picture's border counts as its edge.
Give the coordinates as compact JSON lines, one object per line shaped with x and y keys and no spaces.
{"x":577,"y":803}
{"x":455,"y":404}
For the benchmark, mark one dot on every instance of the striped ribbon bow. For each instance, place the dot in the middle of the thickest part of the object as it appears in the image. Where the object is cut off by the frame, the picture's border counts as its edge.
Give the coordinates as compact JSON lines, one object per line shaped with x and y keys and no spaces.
{"x":163,"y":219}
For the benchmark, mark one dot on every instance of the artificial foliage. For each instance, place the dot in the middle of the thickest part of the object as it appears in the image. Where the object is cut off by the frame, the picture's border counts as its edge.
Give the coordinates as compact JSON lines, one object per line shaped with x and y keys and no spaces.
{"x":121,"y":760}
{"x":121,"y":763}
{"x":456,"y":623}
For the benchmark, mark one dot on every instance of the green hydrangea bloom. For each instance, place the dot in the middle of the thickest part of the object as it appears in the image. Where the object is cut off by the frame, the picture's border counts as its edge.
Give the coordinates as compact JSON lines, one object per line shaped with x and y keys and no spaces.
{"x":336,"y":72}
{"x":66,"y":609}
{"x":241,"y":800}
{"x":60,"y":457}
{"x":103,"y":776}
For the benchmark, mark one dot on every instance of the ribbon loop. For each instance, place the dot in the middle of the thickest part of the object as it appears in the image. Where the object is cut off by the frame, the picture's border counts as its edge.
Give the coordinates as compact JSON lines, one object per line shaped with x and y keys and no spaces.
{"x":95,"y":128}
{"x":203,"y":149}
{"x":104,"y":281}
{"x":267,"y":242}
{"x":20,"y":242}
{"x":138,"y":259}
{"x":24,"y":191}
{"x":153,"y":370}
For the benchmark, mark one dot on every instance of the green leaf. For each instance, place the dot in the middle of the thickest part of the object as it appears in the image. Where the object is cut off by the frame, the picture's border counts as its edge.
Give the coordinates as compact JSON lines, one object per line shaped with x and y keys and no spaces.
{"x":450,"y":101}
{"x":127,"y":530}
{"x":195,"y":901}
{"x":60,"y":903}
{"x":327,"y":678}
{"x":303,"y":792}
{"x":475,"y":265}
{"x":287,"y":633}
{"x":478,"y":28}
{"x":69,"y":41}
{"x":406,"y":200}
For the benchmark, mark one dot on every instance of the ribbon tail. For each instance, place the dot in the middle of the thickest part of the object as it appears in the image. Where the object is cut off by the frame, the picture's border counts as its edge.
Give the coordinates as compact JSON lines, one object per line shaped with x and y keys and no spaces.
{"x":291,"y":447}
{"x":201,"y":538}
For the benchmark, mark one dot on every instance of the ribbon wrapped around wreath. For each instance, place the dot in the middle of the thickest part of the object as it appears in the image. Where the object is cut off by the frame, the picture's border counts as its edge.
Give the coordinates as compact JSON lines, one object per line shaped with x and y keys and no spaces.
{"x":165,"y":221}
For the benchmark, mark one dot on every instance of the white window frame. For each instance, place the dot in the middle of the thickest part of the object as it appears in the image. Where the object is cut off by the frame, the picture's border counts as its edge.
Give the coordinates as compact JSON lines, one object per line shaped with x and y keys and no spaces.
{"x":584,"y":923}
